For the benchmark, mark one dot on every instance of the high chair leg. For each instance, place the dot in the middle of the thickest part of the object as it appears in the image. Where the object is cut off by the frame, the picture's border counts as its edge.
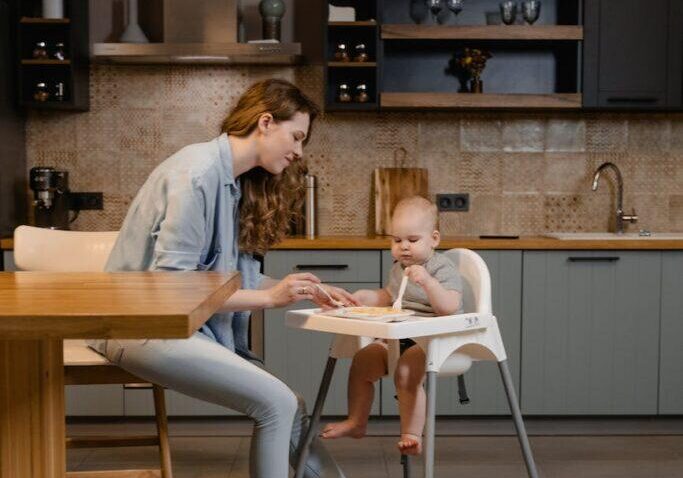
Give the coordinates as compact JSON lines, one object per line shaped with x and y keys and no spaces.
{"x":405,"y":462}
{"x":428,"y":449}
{"x":517,"y":417}
{"x":462,"y":390}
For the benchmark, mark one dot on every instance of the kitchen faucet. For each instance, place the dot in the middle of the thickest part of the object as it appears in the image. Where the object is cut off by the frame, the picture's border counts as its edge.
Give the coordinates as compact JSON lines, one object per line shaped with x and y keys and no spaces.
{"x":621,"y":217}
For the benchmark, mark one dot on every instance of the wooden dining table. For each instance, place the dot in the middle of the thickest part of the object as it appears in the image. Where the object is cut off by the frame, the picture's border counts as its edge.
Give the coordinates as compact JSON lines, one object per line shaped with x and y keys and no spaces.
{"x":38,"y":310}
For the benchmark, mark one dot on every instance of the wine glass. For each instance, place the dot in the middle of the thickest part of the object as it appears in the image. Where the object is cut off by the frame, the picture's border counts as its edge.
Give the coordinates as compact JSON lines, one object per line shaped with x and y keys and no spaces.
{"x":455,"y":6}
{"x":435,"y":6}
{"x":531,"y":9}
{"x":508,"y":11}
{"x":418,"y":10}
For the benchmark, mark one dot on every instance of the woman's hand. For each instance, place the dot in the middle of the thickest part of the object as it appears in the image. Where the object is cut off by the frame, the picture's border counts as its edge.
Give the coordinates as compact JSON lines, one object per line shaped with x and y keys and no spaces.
{"x":293,"y":288}
{"x":419,"y":275}
{"x":337,"y":293}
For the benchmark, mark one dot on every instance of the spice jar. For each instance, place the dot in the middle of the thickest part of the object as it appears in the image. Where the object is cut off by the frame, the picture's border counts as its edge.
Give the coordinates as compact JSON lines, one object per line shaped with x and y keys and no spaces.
{"x":59,"y":53}
{"x":343,"y":94}
{"x":362,"y":94}
{"x":40,"y":92}
{"x":361,"y":53}
{"x":40,"y":50}
{"x":59,"y":94}
{"x":341,"y":54}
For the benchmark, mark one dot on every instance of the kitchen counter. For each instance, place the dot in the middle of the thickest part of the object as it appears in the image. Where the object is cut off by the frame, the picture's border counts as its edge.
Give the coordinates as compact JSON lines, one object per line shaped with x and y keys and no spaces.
{"x":475,"y":242}
{"x":468,"y":242}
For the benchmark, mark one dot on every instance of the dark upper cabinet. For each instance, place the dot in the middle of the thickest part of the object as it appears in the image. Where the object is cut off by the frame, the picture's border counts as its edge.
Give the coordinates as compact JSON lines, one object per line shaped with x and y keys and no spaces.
{"x":632,"y":54}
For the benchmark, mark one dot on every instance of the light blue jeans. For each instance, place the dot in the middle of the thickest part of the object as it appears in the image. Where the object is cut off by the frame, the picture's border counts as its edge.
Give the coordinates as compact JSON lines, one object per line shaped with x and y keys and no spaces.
{"x":204,"y":369}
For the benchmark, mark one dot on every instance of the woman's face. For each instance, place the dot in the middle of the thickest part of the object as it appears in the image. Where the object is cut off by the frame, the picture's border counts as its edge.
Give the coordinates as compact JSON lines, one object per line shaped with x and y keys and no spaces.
{"x":280,"y":144}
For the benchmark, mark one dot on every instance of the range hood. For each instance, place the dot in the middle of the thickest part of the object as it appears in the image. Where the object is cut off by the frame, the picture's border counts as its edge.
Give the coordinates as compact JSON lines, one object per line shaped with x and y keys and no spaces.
{"x":198,"y":32}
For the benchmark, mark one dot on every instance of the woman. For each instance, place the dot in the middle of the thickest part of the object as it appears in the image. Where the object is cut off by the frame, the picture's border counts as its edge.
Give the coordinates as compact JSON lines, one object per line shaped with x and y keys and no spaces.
{"x":211,"y":206}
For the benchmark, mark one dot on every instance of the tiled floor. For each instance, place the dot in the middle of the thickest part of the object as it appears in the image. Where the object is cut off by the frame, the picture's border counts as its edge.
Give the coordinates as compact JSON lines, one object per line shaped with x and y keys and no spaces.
{"x":207,"y":454}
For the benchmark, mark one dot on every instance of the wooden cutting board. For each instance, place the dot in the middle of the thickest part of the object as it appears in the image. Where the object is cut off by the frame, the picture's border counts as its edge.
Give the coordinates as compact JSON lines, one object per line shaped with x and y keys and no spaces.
{"x":392,"y":185}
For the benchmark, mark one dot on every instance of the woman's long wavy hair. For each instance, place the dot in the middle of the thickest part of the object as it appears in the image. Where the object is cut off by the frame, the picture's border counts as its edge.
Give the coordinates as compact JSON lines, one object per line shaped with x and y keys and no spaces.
{"x":270,"y":203}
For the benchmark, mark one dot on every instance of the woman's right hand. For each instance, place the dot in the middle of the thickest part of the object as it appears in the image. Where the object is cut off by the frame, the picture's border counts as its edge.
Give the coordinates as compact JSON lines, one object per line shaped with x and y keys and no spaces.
{"x":292,"y":288}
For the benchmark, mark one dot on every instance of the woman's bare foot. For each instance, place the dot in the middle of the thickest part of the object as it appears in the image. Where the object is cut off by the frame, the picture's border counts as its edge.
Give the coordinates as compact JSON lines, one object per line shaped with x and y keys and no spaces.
{"x":410,"y":444}
{"x":347,"y":428}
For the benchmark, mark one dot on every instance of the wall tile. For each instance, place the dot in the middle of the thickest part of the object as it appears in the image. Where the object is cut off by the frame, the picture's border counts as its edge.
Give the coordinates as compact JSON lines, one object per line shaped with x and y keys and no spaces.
{"x":565,"y":135}
{"x":526,"y":135}
{"x":480,"y":134}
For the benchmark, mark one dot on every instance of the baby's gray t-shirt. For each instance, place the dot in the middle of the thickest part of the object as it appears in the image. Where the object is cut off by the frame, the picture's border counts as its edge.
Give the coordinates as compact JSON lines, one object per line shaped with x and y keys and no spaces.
{"x":415,"y":298}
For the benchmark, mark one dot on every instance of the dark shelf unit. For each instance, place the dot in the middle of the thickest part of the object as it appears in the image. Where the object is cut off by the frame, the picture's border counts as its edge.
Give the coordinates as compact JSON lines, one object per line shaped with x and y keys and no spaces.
{"x":73,"y":72}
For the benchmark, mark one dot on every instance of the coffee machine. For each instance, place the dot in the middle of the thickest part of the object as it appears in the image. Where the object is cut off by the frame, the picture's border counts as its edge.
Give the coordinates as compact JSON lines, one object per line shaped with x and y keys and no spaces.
{"x":51,"y":197}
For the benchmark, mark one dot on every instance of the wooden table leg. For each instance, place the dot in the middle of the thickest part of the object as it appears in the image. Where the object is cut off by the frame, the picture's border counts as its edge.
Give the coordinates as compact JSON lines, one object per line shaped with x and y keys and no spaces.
{"x":32,"y":428}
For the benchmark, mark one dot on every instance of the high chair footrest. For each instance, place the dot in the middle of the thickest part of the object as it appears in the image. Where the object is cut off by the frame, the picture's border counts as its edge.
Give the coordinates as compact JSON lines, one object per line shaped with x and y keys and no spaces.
{"x":112,"y":442}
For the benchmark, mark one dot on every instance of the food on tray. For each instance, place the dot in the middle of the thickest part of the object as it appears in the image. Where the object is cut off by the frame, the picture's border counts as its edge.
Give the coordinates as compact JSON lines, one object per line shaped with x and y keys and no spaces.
{"x":370,"y":313}
{"x":374,"y":311}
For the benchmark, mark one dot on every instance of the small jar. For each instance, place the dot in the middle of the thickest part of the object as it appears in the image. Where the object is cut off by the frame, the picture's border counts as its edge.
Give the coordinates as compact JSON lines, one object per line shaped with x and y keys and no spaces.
{"x":344,"y":94}
{"x":360,"y":53}
{"x":361,"y":94}
{"x":40,"y":50}
{"x":59,"y":53}
{"x":40,"y":92}
{"x":341,"y":53}
{"x":59,"y":94}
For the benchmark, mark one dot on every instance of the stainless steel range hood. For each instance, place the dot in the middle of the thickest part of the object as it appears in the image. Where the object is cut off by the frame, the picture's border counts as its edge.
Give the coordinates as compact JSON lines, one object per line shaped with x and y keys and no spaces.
{"x":193,"y":32}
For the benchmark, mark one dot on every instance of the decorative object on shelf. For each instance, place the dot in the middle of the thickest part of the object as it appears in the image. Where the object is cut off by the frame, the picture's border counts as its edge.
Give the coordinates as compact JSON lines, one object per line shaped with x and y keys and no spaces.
{"x":344,"y":94}
{"x":133,"y":33}
{"x":40,"y":92}
{"x":435,"y":6}
{"x":472,"y":61}
{"x":361,"y":54}
{"x":272,"y":12}
{"x":59,"y":94}
{"x":455,"y":6}
{"x":418,"y":11}
{"x":341,"y":53}
{"x":341,"y":14}
{"x":53,"y":9}
{"x":508,"y":11}
{"x":40,"y":51}
{"x":361,"y":94}
{"x":59,"y":52}
{"x":493,"y":18}
{"x":531,"y":10}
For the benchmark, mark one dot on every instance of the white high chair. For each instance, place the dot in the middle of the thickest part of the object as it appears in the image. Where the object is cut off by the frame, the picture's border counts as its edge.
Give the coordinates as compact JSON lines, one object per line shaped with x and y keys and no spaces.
{"x":39,"y":249}
{"x":451,"y":345}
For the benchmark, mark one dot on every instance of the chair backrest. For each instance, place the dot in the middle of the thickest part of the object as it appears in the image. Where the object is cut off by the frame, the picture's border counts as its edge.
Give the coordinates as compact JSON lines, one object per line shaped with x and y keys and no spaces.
{"x":40,"y":249}
{"x":476,"y":280}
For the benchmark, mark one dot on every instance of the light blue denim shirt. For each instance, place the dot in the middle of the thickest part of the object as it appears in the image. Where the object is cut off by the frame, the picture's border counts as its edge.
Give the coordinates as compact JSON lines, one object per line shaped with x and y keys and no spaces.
{"x":185,"y":218}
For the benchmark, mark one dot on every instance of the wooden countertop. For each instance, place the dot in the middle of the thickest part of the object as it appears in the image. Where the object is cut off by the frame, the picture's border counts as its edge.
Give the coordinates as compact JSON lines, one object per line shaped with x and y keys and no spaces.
{"x":39,"y":305}
{"x":474,"y":242}
{"x":468,"y":242}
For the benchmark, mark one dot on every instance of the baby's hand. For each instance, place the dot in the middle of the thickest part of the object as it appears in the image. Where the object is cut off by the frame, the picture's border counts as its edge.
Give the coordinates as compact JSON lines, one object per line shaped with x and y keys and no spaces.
{"x":418,"y":274}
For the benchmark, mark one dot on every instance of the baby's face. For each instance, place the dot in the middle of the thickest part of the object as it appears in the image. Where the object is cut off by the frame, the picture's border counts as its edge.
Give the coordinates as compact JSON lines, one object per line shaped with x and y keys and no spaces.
{"x":413,"y":239}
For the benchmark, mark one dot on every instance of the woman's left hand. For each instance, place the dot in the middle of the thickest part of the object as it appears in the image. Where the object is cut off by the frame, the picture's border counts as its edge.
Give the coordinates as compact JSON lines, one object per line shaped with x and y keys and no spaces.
{"x":337,"y":294}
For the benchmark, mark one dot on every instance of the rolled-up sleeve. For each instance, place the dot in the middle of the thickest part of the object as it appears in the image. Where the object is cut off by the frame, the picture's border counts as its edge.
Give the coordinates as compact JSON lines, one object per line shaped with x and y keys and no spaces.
{"x":180,"y":235}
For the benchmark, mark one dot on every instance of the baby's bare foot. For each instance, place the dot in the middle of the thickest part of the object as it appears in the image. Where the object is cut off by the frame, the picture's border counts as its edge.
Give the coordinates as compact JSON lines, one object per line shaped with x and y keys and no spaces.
{"x":347,"y":428}
{"x":410,"y":444}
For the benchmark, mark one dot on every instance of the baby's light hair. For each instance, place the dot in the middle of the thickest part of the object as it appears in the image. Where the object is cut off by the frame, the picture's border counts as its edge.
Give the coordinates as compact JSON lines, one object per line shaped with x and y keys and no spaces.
{"x":423,"y":205}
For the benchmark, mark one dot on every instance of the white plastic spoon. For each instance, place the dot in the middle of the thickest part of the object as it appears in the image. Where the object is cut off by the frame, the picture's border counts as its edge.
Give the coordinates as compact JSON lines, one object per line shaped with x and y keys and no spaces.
{"x":401,"y":291}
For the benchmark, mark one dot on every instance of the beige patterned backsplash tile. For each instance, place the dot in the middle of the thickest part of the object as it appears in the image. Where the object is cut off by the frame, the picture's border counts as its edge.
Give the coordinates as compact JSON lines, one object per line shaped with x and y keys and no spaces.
{"x":525,"y":173}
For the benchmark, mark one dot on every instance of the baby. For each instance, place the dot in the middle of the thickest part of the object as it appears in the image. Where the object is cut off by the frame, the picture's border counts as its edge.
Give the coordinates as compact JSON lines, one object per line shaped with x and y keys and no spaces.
{"x":434,"y":287}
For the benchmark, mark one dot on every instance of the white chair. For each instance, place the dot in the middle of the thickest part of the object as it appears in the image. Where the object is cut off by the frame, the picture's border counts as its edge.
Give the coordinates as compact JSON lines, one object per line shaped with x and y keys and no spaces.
{"x":451,"y":345}
{"x":39,"y":249}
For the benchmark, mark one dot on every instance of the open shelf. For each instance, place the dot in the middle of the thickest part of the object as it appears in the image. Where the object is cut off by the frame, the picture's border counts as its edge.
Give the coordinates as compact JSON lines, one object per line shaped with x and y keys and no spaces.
{"x":482,"y":32}
{"x":45,"y":62}
{"x":44,"y":21}
{"x":362,"y":23}
{"x":352,"y":64}
{"x":401,"y":100}
{"x":351,"y":107}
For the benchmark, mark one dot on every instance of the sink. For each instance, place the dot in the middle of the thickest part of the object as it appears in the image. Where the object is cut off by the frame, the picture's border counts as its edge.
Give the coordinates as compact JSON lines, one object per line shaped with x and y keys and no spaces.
{"x":597,"y":236}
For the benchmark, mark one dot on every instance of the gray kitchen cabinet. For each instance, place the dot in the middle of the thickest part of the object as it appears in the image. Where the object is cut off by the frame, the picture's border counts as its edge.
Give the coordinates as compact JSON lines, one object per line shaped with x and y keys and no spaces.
{"x":8,"y":261}
{"x":484,"y":386}
{"x":671,"y":342}
{"x":590,"y":332}
{"x":298,"y":357}
{"x":93,"y":400}
{"x":140,"y":402}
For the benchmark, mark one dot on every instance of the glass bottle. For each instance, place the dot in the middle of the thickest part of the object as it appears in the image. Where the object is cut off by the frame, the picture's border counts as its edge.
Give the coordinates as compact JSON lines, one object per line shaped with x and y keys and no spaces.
{"x":362,"y":94}
{"x":40,"y":50}
{"x":341,"y":53}
{"x":59,"y":91}
{"x":343,"y":93}
{"x":40,"y":92}
{"x":60,"y":52}
{"x":361,"y":53}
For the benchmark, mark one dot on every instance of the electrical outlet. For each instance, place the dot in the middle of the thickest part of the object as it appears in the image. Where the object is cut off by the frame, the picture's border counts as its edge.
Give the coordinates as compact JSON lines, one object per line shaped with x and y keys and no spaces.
{"x":459,"y":202}
{"x":82,"y":201}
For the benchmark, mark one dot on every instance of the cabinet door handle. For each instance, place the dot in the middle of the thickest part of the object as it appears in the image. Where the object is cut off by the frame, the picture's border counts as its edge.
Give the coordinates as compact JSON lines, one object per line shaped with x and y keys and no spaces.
{"x":336,"y":267}
{"x":594,"y":259}
{"x":633,"y":99}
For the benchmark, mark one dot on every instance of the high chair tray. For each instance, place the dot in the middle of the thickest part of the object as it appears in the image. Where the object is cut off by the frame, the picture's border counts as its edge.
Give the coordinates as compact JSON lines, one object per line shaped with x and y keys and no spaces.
{"x":413,"y":326}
